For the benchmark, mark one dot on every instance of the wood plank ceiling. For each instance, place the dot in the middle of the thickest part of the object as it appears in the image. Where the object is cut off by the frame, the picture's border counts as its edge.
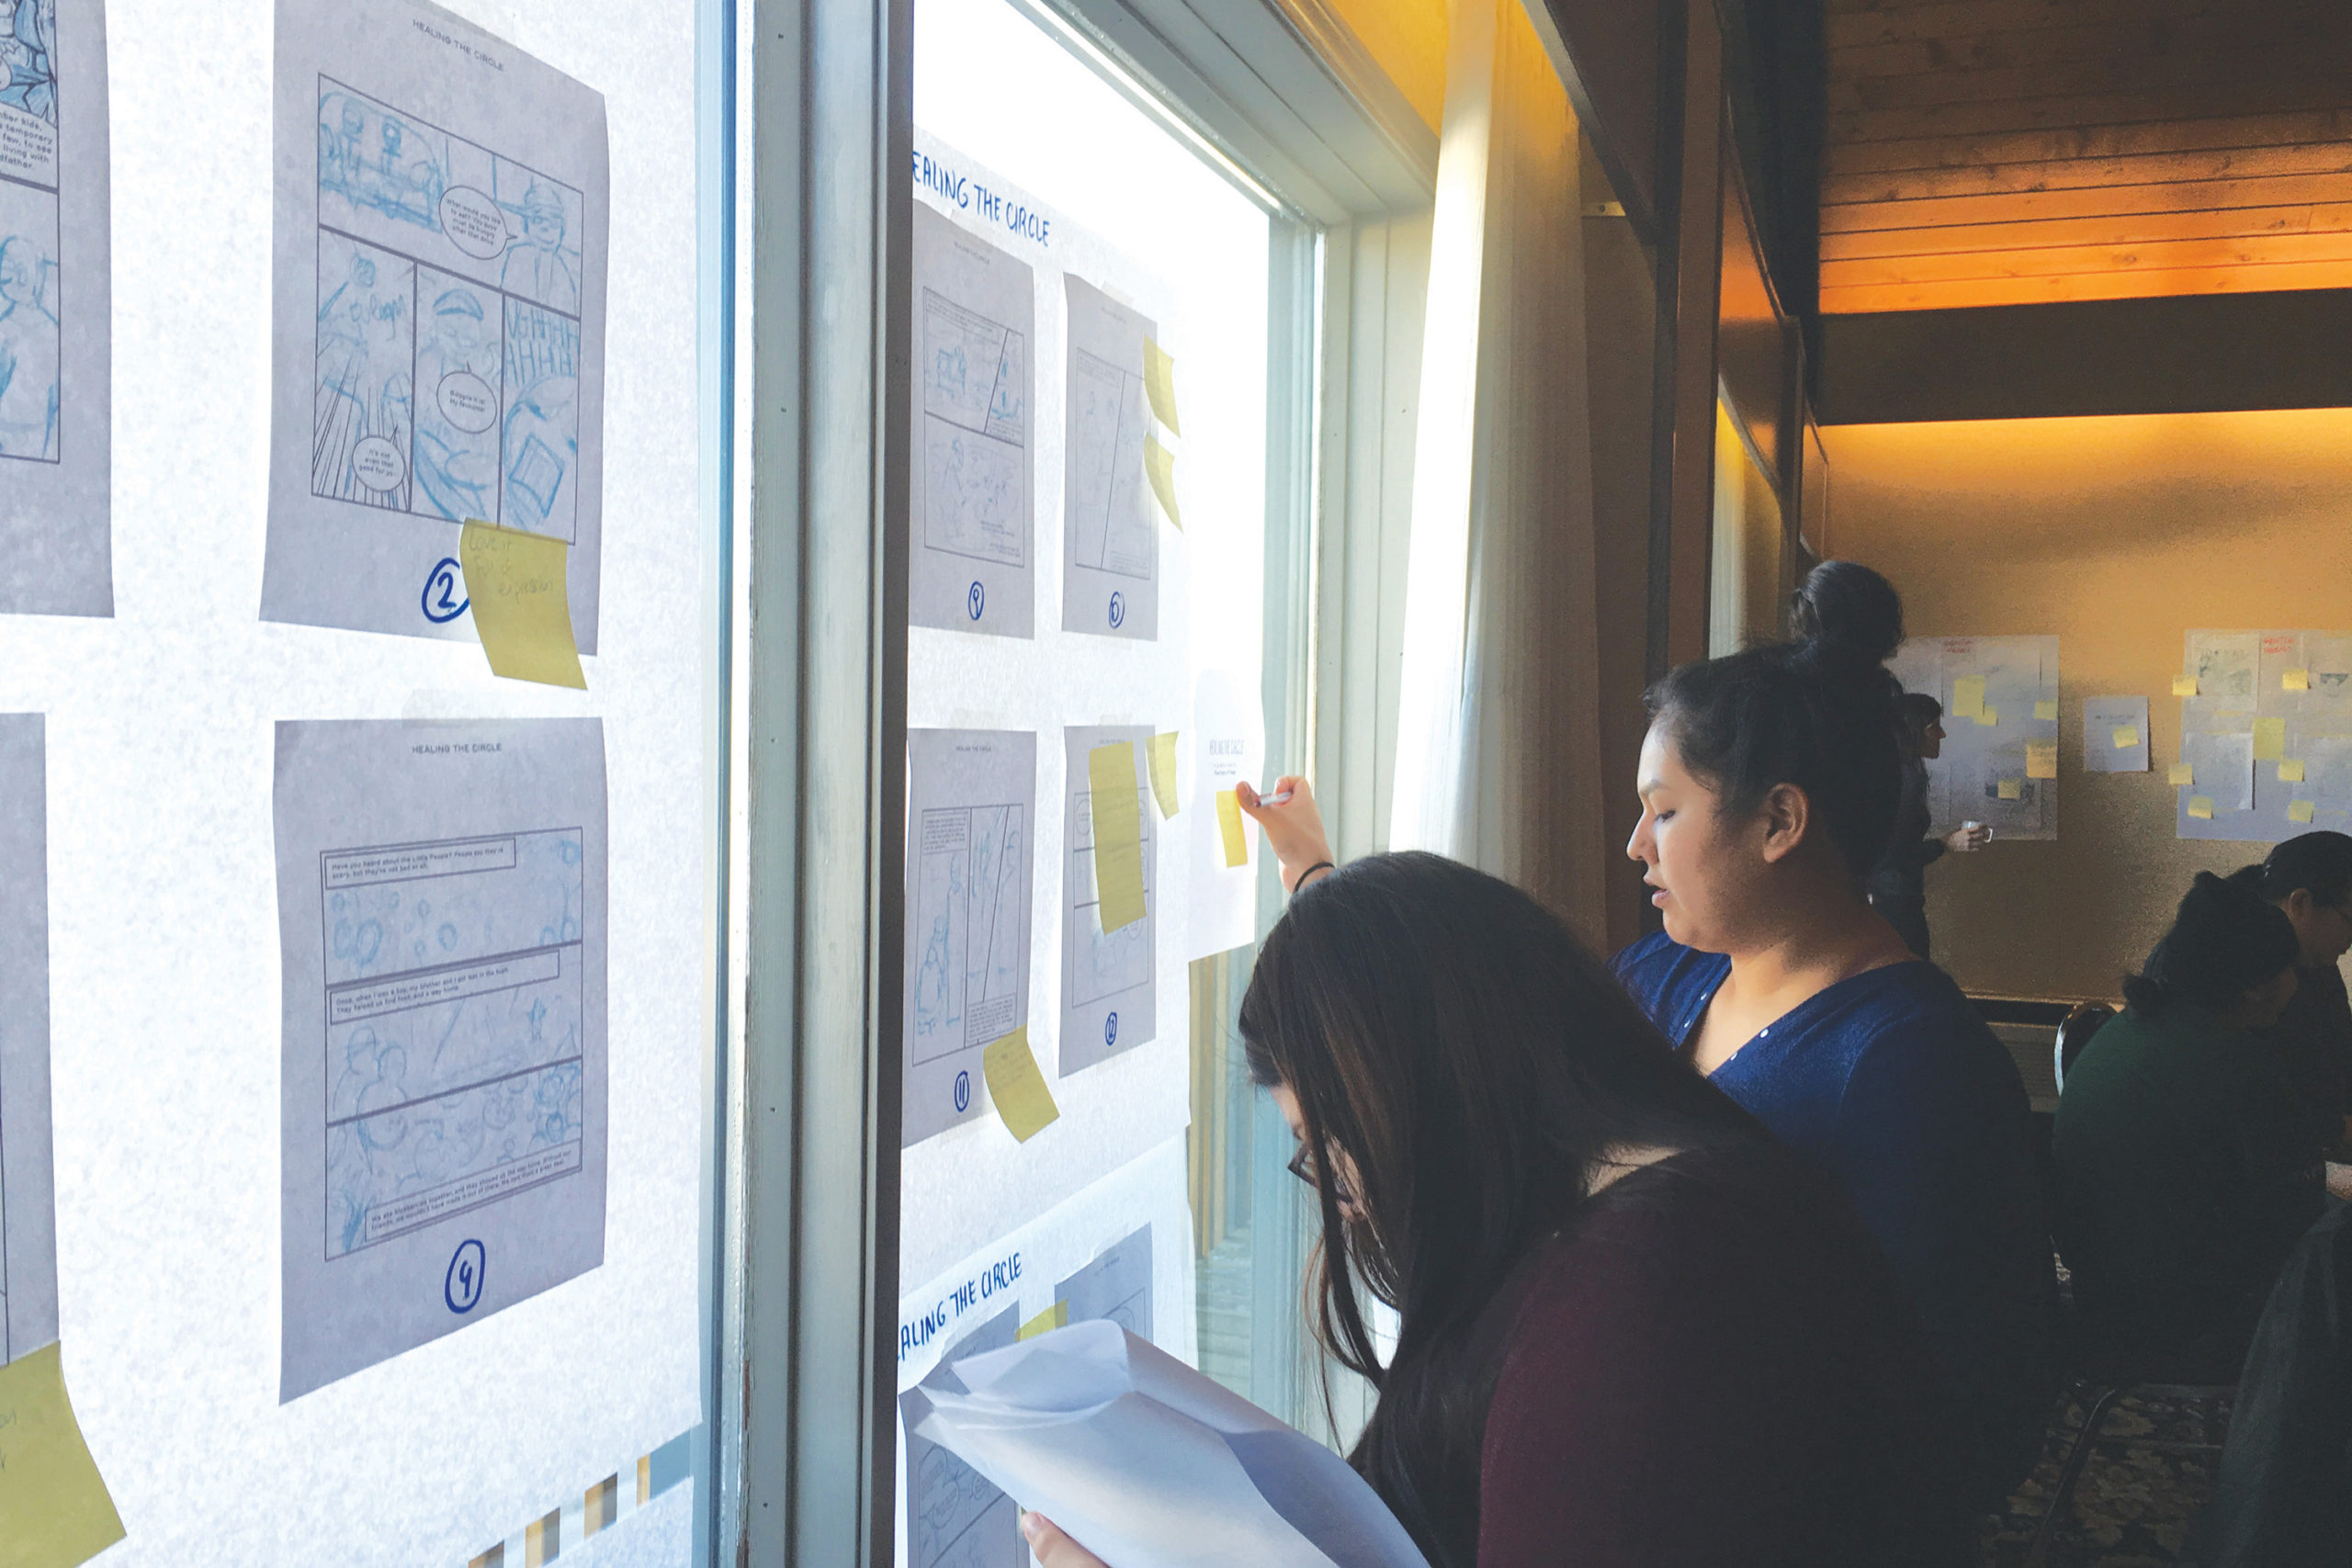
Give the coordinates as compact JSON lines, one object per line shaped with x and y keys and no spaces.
{"x":2012,"y":151}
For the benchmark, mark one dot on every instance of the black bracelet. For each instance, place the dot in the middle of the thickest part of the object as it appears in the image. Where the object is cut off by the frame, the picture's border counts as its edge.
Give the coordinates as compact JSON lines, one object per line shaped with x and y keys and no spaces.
{"x":1300,"y":881}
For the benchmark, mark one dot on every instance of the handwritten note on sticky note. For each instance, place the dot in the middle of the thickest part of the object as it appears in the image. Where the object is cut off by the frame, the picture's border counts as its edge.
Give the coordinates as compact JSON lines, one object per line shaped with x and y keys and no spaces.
{"x":2290,"y":769}
{"x":2298,"y":811}
{"x":2295,"y":680}
{"x":2181,"y":776}
{"x":1161,"y":754}
{"x":1117,"y":819}
{"x":2010,"y":789}
{"x":1016,"y":1087}
{"x":1160,"y":384}
{"x":2046,"y":708}
{"x":2041,"y":759}
{"x":1988,"y":715}
{"x":522,"y":604}
{"x":2127,"y":736}
{"x":1968,"y":697}
{"x":1053,"y":1317}
{"x":54,"y":1511}
{"x":2184,"y":685}
{"x":1160,"y":464}
{"x":1229,"y":822}
{"x":2201,"y":808}
{"x":2269,"y":739}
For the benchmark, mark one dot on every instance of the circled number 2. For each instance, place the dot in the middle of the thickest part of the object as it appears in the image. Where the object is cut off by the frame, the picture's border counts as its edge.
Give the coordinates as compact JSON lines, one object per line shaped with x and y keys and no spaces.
{"x":463,"y":1289}
{"x":444,"y":598}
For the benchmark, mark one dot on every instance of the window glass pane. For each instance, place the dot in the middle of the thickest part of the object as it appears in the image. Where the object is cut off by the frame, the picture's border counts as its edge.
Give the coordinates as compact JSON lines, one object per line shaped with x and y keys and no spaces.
{"x":353,"y":999}
{"x":1065,"y":240}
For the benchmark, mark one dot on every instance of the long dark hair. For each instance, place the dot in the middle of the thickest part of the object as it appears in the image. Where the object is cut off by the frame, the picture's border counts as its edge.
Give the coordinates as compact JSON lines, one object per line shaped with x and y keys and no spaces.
{"x":1472,"y":1061}
{"x":2225,"y":940}
{"x":2317,"y":862}
{"x":1846,"y":603}
{"x":1819,"y":716}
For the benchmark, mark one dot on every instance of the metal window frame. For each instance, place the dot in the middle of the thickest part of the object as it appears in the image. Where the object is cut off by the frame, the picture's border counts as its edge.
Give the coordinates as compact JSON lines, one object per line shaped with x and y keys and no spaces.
{"x":806,"y":129}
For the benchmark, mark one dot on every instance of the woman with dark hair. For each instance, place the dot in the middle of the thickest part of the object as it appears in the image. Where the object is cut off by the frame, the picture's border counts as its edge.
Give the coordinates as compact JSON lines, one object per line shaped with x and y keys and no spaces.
{"x":1846,"y":603}
{"x":1769,"y":784}
{"x":2181,"y":1187}
{"x":1631,"y":1329}
{"x":1898,"y":883}
{"x":2308,"y":879}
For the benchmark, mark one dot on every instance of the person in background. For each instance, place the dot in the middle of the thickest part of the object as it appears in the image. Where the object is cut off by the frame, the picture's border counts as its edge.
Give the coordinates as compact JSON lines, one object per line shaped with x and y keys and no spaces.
{"x":2182,"y":1181}
{"x":1633,"y":1332}
{"x":2308,"y":879}
{"x":1897,"y":884}
{"x":2282,"y":1498}
{"x":1769,"y":783}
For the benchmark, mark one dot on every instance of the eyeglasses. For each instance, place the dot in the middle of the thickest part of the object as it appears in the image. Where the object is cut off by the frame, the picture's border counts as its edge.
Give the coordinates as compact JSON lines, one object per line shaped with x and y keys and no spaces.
{"x":1302,"y":1165}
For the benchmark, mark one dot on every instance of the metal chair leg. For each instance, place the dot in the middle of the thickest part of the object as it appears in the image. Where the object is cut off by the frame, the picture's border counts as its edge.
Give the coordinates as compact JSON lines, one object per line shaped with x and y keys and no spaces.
{"x":2038,"y":1552}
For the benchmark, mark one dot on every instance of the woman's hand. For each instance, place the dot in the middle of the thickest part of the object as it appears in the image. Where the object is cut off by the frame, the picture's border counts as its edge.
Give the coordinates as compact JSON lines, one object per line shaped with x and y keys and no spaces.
{"x":1294,"y":827}
{"x":1054,"y":1548}
{"x":1973,"y":836}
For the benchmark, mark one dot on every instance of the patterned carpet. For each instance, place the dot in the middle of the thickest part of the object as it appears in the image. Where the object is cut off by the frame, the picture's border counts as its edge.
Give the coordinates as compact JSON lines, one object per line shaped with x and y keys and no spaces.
{"x":2133,"y":1506}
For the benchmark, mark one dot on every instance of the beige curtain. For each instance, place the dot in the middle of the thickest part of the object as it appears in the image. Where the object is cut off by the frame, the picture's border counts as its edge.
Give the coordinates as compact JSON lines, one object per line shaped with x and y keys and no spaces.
{"x":1498,"y":733}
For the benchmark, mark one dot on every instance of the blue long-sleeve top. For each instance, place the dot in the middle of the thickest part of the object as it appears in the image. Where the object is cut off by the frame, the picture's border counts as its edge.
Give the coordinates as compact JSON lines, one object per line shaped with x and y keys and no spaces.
{"x":1891,"y":1082}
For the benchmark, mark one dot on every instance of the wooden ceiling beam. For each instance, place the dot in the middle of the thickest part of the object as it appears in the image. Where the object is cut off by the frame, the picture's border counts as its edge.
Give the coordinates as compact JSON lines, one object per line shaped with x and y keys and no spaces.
{"x":2182,"y":77}
{"x":2193,"y":101}
{"x":2108,"y":42}
{"x":2100,"y":173}
{"x":2136,"y":284}
{"x":2192,"y":197}
{"x":2102,"y":230}
{"x":1970,"y":19}
{"x":2070,"y":144}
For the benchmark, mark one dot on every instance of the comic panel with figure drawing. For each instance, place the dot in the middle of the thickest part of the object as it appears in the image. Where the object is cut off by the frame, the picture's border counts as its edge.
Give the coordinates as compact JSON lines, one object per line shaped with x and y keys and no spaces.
{"x":31,"y":324}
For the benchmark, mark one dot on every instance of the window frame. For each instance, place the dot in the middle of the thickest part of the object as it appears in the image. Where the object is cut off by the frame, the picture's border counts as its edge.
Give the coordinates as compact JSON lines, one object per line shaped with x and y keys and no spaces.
{"x":807,"y":124}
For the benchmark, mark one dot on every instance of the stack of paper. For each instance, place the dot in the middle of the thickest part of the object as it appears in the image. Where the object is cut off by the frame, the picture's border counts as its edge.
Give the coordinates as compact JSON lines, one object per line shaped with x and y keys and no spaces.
{"x":1147,"y":1464}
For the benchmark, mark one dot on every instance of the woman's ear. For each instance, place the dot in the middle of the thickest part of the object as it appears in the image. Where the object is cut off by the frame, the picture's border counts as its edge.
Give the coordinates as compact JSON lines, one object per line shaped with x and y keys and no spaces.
{"x":1784,"y":813}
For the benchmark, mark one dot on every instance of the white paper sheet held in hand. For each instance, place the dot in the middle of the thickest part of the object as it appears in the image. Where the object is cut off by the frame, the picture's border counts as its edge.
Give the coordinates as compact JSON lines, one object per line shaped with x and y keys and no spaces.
{"x":1147,"y":1464}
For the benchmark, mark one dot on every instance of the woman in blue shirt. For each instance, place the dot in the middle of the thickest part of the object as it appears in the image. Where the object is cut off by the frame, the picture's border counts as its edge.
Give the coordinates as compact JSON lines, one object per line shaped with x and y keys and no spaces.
{"x":1769,"y":783}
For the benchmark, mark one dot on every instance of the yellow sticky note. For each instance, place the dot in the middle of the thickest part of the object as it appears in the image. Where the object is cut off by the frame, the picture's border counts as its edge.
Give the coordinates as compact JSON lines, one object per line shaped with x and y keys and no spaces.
{"x":2184,"y":685}
{"x":1160,"y":464}
{"x":2295,"y":680}
{"x":1161,"y":754}
{"x":2182,"y":776}
{"x":1228,"y":821}
{"x":1118,"y":833}
{"x":1016,"y":1087}
{"x":2127,"y":736}
{"x":1160,"y":383}
{"x":2298,"y":811}
{"x":2046,"y":707}
{"x":2011,"y":789}
{"x":522,"y":604}
{"x":1968,"y":697}
{"x":54,"y":1511}
{"x":2269,"y":739}
{"x":2041,"y":759}
{"x":2201,"y":808}
{"x":1053,"y":1317}
{"x":1988,"y":715}
{"x":2290,"y":769}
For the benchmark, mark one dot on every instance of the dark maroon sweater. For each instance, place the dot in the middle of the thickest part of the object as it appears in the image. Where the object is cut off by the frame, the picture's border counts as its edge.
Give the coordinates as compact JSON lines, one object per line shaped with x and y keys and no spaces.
{"x":1716,"y":1369}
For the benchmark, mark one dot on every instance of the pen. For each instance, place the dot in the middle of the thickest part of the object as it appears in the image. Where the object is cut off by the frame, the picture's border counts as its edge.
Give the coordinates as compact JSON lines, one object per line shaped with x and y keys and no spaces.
{"x":1273,"y":800}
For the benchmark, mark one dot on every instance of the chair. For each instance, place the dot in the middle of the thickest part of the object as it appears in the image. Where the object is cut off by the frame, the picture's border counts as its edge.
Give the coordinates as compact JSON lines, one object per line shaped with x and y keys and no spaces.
{"x":2082,"y":1021}
{"x":2103,"y":1399}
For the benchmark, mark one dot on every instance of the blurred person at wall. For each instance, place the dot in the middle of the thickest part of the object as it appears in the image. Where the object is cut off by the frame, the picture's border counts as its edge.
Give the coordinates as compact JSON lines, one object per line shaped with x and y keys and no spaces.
{"x":1898,"y":884}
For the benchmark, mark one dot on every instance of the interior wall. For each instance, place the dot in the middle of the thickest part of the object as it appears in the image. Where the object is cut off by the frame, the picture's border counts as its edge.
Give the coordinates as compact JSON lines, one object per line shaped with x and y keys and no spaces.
{"x":1407,"y":39}
{"x":2117,"y":535}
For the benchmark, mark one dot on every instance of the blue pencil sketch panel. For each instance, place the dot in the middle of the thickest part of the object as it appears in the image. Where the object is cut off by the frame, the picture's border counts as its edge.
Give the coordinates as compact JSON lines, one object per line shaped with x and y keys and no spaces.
{"x":454,"y":1027}
{"x":460,"y":371}
{"x":28,"y":59}
{"x":363,"y":405}
{"x":541,"y":261}
{"x":413,"y":138}
{"x":31,"y":324}
{"x":541,"y":438}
